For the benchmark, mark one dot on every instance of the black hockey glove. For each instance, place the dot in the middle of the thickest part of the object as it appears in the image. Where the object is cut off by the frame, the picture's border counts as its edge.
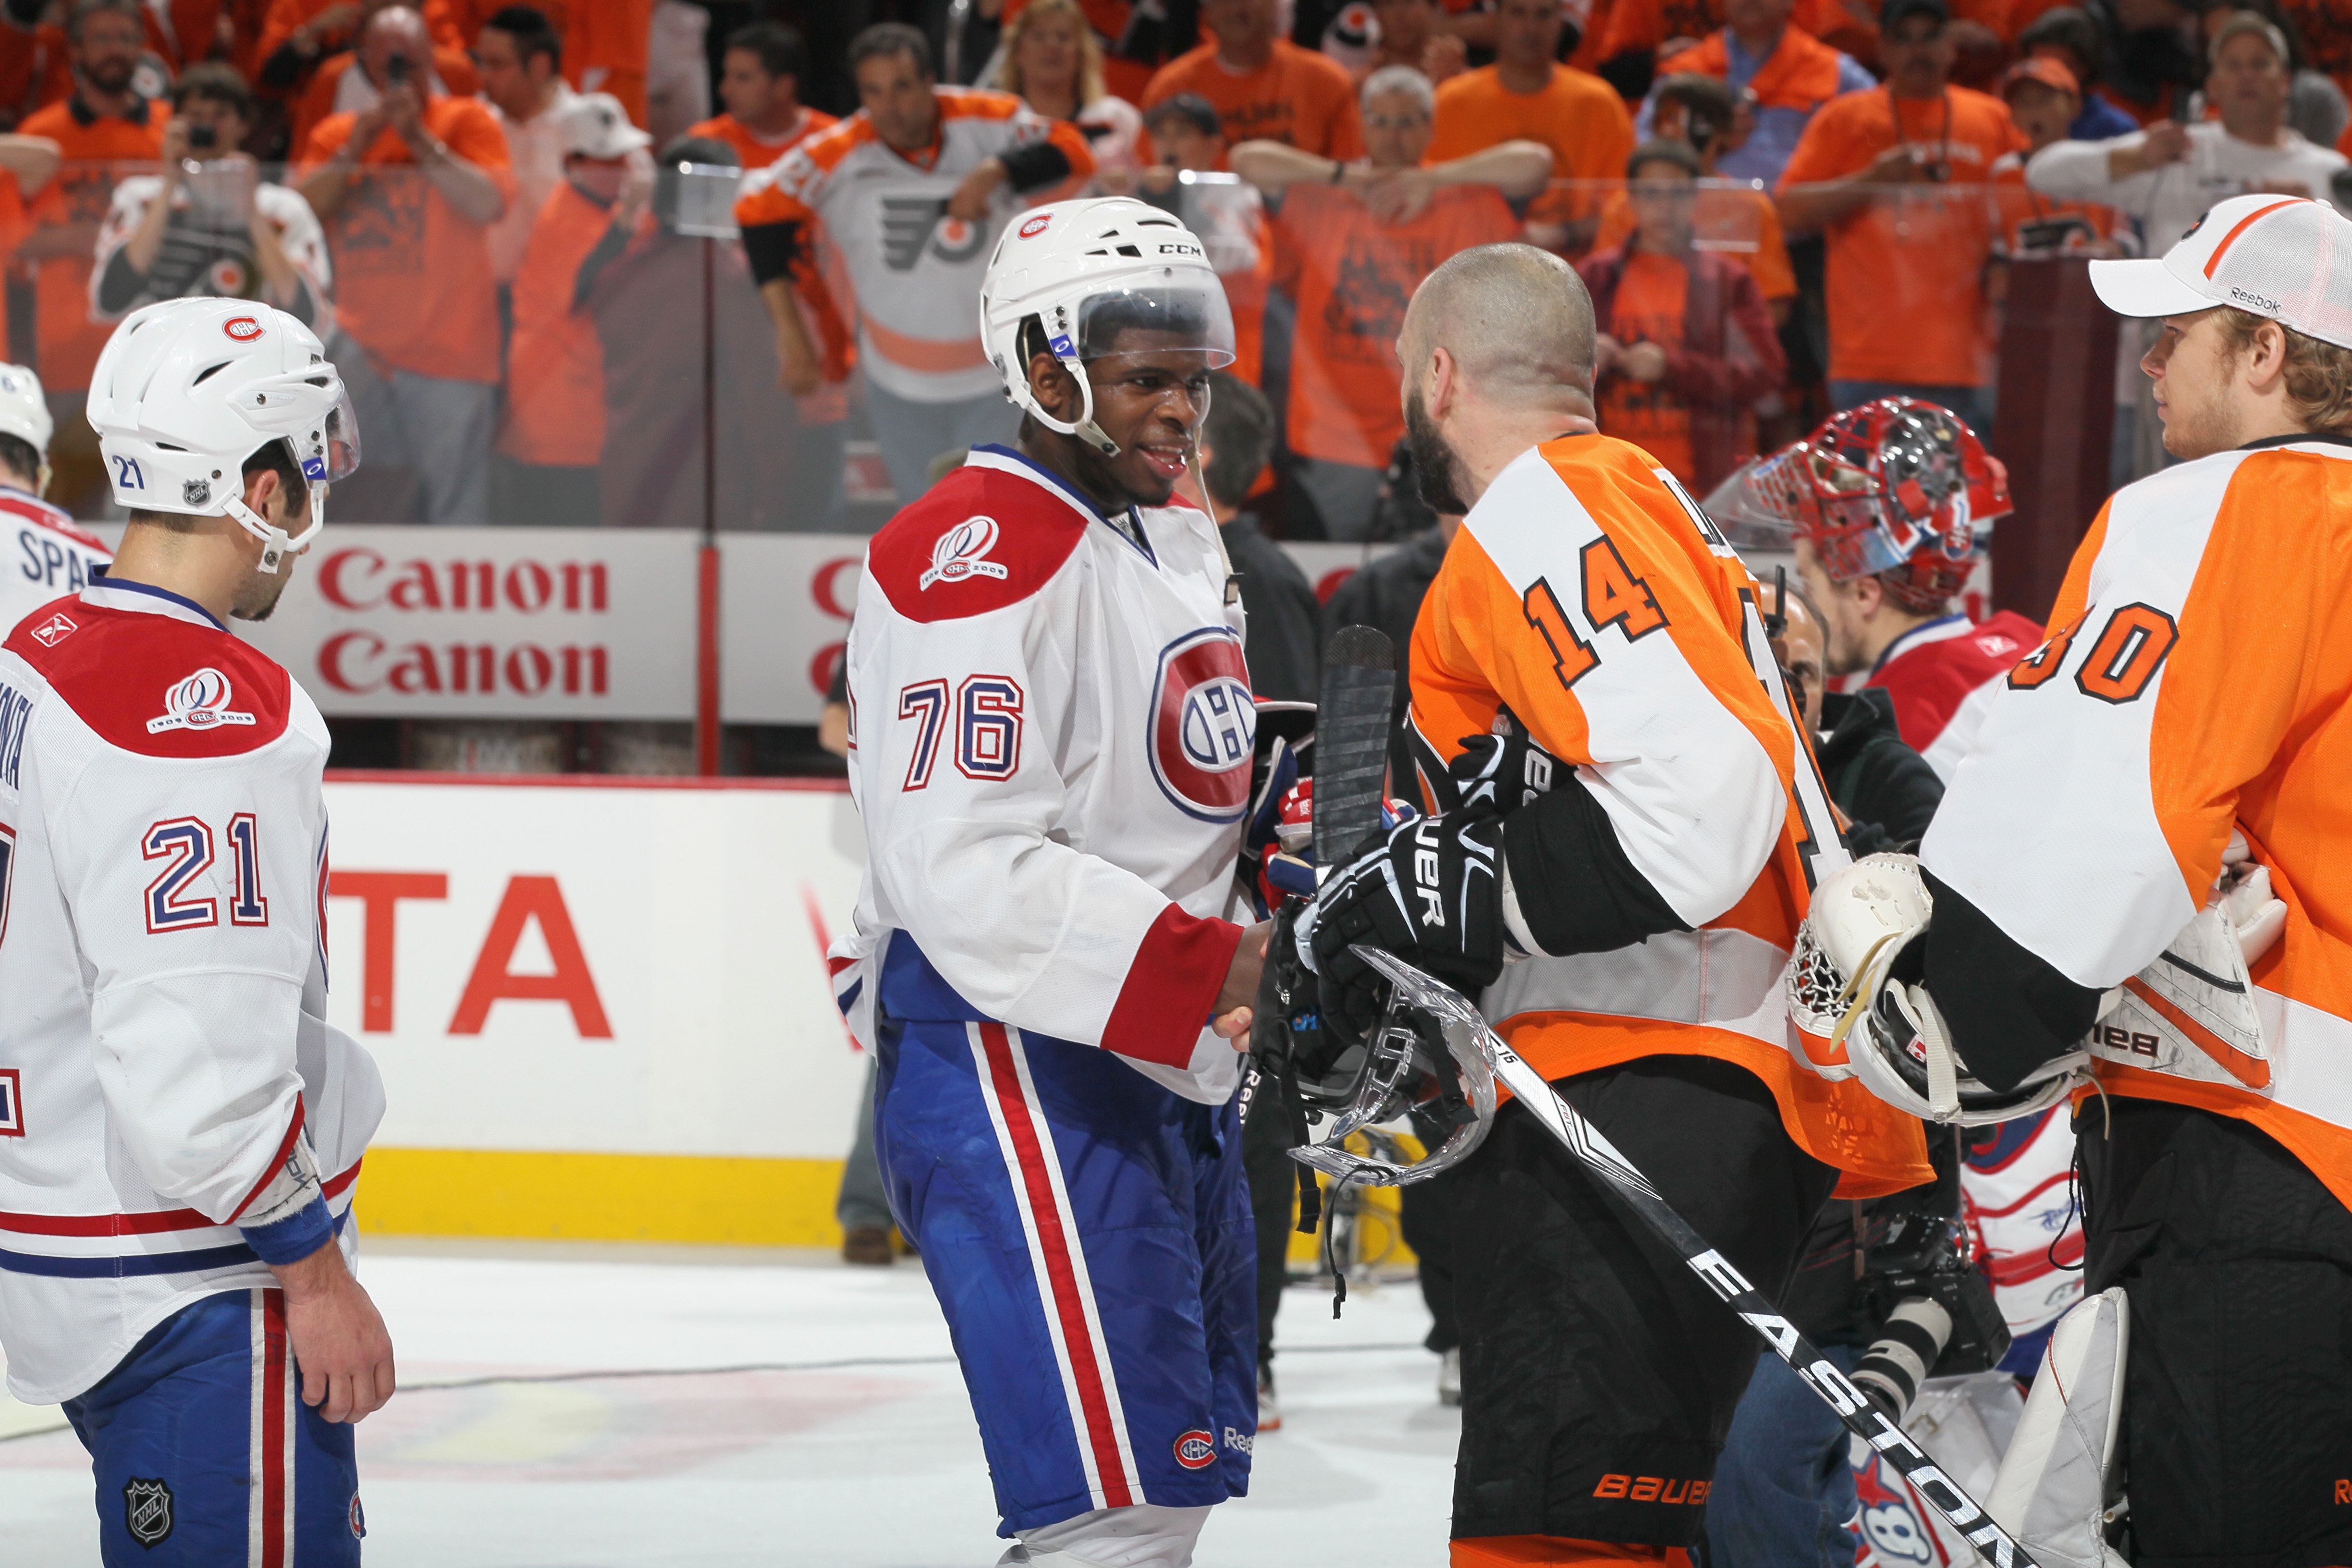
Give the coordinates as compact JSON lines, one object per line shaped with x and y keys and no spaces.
{"x":1500,"y":774}
{"x":1432,"y":894}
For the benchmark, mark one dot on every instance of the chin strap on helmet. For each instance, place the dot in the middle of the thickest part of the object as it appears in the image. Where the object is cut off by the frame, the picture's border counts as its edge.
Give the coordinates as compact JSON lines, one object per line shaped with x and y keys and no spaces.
{"x":1067,"y":352}
{"x":274,"y":541}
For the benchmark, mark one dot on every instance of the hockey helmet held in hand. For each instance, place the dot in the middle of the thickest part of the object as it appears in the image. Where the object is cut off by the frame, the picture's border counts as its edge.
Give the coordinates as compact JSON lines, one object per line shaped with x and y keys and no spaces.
{"x":1897,"y":487}
{"x":1098,"y":278}
{"x":187,"y":389}
{"x":1851,"y":1016}
{"x":1422,"y":1057}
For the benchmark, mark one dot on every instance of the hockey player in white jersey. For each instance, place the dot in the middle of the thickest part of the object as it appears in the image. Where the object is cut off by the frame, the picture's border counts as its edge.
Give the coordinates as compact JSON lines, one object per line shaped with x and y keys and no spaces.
{"x":1052,"y":726}
{"x":179,"y":1128}
{"x":45,"y":554}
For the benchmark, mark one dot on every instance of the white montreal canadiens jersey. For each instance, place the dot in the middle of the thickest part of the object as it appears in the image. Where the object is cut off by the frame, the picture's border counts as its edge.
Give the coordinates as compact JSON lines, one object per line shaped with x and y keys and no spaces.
{"x":1052,"y":735}
{"x":162,"y":864}
{"x":44,"y":555}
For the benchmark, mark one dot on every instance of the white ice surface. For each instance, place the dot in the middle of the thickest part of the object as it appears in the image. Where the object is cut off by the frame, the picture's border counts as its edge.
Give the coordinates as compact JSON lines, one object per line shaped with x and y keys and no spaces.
{"x":873,"y":1464}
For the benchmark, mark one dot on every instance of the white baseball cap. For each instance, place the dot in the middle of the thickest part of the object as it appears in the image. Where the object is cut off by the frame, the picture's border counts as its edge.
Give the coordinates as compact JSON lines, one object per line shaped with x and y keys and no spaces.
{"x":2287,"y":257}
{"x":596,"y":126}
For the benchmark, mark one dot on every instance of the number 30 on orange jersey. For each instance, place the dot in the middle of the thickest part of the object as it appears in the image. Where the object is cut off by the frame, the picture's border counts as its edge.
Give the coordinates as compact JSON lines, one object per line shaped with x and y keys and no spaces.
{"x":2130,"y":650}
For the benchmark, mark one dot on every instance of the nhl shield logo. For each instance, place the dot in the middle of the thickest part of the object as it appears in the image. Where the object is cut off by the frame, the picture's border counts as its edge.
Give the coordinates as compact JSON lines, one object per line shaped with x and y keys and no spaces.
{"x":1204,"y":725}
{"x":147,"y":1511}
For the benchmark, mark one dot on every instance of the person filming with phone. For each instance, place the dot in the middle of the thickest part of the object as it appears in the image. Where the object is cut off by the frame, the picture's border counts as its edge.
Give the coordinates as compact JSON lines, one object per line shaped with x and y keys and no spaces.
{"x":209,"y":223}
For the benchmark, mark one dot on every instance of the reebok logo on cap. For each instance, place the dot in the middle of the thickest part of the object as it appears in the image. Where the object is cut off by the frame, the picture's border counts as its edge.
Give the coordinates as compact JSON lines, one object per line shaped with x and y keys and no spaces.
{"x":2287,"y":257}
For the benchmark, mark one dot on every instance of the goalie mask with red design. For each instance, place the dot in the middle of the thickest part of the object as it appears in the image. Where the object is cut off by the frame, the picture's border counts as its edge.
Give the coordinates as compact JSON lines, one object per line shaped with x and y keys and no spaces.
{"x":1897,"y":487}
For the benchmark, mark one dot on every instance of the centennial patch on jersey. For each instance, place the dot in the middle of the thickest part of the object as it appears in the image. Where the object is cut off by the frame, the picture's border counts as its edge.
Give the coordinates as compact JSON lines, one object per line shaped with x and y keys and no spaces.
{"x":961,"y":554}
{"x":1195,"y":1451}
{"x":199,"y":702}
{"x":1204,"y":725}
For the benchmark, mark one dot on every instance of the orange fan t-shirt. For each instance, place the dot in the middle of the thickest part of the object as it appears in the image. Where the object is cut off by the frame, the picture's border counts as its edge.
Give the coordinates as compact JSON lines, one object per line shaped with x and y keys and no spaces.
{"x":754,"y":149}
{"x":2020,"y":206}
{"x":829,"y":404}
{"x":1653,"y":298}
{"x":1353,"y":276}
{"x":1576,"y":115}
{"x":555,"y":365}
{"x":412,"y":279}
{"x":1730,"y":219}
{"x":454,"y":67}
{"x":1297,"y":96}
{"x":82,"y":190}
{"x":1907,"y":272}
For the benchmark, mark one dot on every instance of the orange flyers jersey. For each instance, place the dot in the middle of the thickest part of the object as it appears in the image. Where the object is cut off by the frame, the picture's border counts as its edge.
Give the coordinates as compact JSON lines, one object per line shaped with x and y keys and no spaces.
{"x":2198,"y":676}
{"x":917,"y":270}
{"x":1587,"y":597}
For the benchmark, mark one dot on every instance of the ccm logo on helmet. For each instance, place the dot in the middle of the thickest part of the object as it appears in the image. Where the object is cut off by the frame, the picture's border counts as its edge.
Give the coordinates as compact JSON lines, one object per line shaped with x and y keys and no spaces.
{"x":1035,"y":227}
{"x":1194,"y":1449}
{"x":244,"y":329}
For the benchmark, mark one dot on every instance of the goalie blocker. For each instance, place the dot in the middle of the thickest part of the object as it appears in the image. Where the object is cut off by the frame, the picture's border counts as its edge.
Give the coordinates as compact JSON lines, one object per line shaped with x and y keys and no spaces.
{"x":2083,"y":896}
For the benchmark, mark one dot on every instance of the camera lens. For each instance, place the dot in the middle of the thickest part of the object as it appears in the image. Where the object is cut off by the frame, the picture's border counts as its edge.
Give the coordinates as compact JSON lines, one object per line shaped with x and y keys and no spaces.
{"x":202,"y":136}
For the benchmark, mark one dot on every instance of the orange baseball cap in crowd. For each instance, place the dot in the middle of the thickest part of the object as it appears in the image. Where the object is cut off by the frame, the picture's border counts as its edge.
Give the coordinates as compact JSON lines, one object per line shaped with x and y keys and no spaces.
{"x":2287,"y":257}
{"x":2050,"y":73}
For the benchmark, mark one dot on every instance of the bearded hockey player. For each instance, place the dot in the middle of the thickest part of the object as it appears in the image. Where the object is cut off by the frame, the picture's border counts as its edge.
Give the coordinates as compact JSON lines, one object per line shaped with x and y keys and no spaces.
{"x":179,"y":1128}
{"x":1051,"y":727}
{"x":46,"y":554}
{"x":2142,"y":856}
{"x":1646,"y":854}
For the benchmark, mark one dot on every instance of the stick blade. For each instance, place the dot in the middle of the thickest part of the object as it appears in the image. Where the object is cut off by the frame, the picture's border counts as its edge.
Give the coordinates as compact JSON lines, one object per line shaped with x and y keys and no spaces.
{"x":1351,"y":740}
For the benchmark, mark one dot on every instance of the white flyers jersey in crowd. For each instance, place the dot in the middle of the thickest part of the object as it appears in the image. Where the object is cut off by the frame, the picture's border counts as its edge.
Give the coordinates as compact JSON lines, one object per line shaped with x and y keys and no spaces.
{"x":1943,"y":677}
{"x":1052,"y":736}
{"x":916,"y":269}
{"x":162,"y":1054}
{"x":47,"y":555}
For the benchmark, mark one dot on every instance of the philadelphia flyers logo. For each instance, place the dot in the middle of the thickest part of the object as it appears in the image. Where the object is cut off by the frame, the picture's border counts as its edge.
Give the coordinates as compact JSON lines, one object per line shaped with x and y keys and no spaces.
{"x":1204,"y":725}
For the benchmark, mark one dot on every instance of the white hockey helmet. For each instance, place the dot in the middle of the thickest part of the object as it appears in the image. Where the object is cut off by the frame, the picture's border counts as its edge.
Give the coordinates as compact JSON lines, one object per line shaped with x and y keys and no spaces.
{"x":1086,"y":271}
{"x":24,"y":410}
{"x":186,"y":390}
{"x":1853,"y":1018}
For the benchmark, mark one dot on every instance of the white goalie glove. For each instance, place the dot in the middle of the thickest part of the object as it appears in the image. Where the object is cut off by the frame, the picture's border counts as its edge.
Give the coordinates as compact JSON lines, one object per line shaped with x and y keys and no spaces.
{"x":1852,"y":1018}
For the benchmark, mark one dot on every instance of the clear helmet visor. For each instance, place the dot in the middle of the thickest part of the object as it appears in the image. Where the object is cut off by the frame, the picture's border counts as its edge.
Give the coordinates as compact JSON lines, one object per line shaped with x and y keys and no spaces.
{"x":1185,"y":313}
{"x":1425,"y":1056}
{"x":329,"y":451}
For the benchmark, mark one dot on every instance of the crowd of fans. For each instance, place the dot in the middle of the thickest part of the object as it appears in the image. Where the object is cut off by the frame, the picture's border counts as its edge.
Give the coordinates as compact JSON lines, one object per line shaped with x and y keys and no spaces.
{"x":509,"y":223}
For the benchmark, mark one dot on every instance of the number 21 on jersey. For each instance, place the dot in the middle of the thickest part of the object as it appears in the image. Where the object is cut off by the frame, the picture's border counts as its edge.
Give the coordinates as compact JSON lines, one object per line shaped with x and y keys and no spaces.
{"x":185,"y":846}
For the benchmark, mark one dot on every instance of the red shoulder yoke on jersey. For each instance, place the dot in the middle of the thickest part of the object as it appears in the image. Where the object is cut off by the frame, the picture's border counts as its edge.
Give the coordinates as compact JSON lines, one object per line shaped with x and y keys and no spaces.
{"x":153,"y":674}
{"x":989,"y":534}
{"x":1934,"y":668}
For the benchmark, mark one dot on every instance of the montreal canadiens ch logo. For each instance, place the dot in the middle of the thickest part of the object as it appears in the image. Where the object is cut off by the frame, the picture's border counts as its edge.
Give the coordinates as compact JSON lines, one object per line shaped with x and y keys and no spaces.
{"x":1035,"y":227}
{"x":1204,"y":725}
{"x":244,"y":329}
{"x":199,"y":702}
{"x":1195,"y":1450}
{"x":962,"y":552}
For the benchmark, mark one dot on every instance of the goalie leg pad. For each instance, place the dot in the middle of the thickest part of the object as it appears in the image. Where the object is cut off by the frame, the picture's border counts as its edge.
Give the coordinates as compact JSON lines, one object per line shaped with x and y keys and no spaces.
{"x":2052,"y":1493}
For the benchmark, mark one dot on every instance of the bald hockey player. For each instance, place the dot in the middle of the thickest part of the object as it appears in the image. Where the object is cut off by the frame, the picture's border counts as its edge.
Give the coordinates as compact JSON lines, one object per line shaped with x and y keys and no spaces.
{"x":2143,"y":856}
{"x":179,"y":1128}
{"x":1053,"y":732}
{"x":1653,"y":825}
{"x":46,"y":554}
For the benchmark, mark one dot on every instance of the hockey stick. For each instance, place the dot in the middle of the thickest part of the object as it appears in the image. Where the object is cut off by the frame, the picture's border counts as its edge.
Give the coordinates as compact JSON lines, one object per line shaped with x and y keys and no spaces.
{"x":1351,"y":741}
{"x":1619,"y":1175}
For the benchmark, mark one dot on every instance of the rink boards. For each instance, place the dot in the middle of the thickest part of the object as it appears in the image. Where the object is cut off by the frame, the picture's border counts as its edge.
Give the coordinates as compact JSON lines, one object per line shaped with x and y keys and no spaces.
{"x":601,"y":1009}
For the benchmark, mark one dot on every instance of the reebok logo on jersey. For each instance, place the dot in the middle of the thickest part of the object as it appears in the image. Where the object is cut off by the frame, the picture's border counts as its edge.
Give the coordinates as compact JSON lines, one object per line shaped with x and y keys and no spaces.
{"x":54,"y":630}
{"x":199,"y":702}
{"x":1195,"y":1450}
{"x":961,"y":554}
{"x":1240,"y":1442}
